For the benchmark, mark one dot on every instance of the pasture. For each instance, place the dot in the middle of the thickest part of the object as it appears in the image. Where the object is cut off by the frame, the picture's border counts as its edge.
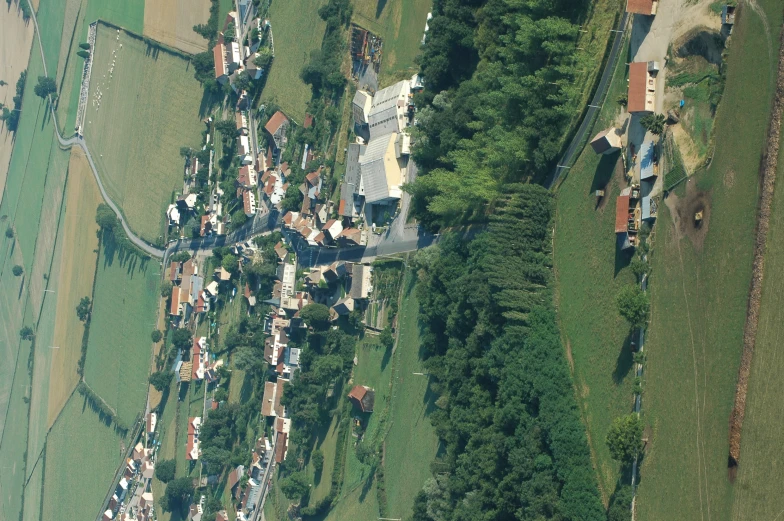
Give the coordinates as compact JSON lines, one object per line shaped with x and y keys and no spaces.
{"x":119,"y":346}
{"x":75,"y":280}
{"x":699,"y":294}
{"x":594,"y":334}
{"x":401,"y":25}
{"x":144,"y":105}
{"x":411,"y":443}
{"x":297,"y":30}
{"x":82,"y":454}
{"x":172,"y":23}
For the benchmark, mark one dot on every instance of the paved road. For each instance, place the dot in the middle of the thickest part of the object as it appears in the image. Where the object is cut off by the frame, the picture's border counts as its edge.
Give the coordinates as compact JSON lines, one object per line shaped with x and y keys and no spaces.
{"x":596,"y":103}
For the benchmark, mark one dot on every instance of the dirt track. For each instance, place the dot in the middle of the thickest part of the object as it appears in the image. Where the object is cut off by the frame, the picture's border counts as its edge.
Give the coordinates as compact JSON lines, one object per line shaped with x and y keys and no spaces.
{"x":767,"y":184}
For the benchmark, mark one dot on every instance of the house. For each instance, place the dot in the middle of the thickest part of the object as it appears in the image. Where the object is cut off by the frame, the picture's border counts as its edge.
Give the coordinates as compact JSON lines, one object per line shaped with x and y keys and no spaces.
{"x":292,"y":356}
{"x":277,"y":127}
{"x":212,"y":289}
{"x":254,"y":71}
{"x":287,"y":274}
{"x":350,"y":205}
{"x":151,"y":421}
{"x":241,"y":119}
{"x":199,"y":358}
{"x":642,"y":88}
{"x":221,"y":274}
{"x":249,"y":203}
{"x":234,"y":478}
{"x":221,"y":67}
{"x":243,"y":150}
{"x":192,"y":451}
{"x":344,"y":306}
{"x":381,"y":171}
{"x":644,"y":7}
{"x":247,"y":177}
{"x":361,"y":277}
{"x":175,"y":272}
{"x":148,"y":469}
{"x":281,"y":252}
{"x":195,"y":512}
{"x":186,"y":203}
{"x":360,"y":106}
{"x":351,"y":237}
{"x":248,"y":295}
{"x":234,"y":57}
{"x":222,"y":516}
{"x":389,"y":110}
{"x":270,"y":405}
{"x":333,"y":229}
{"x":606,"y":142}
{"x":108,"y":515}
{"x":363,"y":397}
{"x":282,"y":448}
{"x":173,"y":215}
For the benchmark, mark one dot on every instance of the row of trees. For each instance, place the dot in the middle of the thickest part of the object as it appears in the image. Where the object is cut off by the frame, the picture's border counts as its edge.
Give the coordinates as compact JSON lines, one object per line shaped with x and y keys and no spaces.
{"x":514,"y":446}
{"x":11,"y":116}
{"x":500,"y":93}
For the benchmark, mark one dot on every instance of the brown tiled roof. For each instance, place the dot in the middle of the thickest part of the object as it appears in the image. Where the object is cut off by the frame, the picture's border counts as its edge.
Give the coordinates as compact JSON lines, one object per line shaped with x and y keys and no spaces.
{"x":175,"y":301}
{"x":275,"y":122}
{"x":640,"y":7}
{"x":638,"y":76}
{"x":622,"y":214}
{"x":218,"y":56}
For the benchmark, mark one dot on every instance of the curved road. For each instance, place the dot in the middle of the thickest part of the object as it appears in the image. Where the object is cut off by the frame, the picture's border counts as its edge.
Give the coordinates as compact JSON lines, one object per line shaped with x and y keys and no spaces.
{"x":594,"y":107}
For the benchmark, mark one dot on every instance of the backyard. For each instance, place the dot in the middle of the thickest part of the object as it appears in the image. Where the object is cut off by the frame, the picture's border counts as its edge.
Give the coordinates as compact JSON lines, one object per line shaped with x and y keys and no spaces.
{"x":136,"y":128}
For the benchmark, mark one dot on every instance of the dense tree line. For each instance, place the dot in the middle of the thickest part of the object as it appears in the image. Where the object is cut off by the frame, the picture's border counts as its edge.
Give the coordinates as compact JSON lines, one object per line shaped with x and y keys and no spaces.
{"x":11,"y":116}
{"x":499,"y":96}
{"x":514,"y":445}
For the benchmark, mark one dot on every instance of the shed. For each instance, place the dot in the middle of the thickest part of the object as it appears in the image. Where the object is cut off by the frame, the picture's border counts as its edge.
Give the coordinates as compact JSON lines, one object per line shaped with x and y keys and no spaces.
{"x":648,"y":166}
{"x":622,"y":214}
{"x":643,"y":7}
{"x":606,"y":142}
{"x":363,"y":397}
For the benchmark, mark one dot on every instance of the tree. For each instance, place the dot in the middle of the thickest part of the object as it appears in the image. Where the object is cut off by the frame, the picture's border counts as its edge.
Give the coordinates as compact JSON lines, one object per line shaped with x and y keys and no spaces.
{"x":45,"y":87}
{"x":316,"y":316}
{"x":227,"y":127}
{"x":317,"y":457}
{"x":177,"y":495}
{"x":264,"y":58}
{"x":638,"y":266}
{"x":9,"y":232}
{"x":17,"y":270}
{"x":83,"y":309}
{"x":620,"y":504}
{"x":625,"y":438}
{"x":653,"y":123}
{"x":160,"y":380}
{"x":166,"y":288}
{"x":295,"y":486}
{"x":186,"y":152}
{"x":3,"y":83}
{"x":85,"y":46}
{"x":386,"y":338}
{"x":26,"y":333}
{"x":83,"y":54}
{"x":181,"y":256}
{"x":623,"y":99}
{"x":245,"y":358}
{"x":156,"y":336}
{"x":105,"y":217}
{"x":181,"y":339}
{"x":229,"y":263}
{"x":164,"y":470}
{"x":633,"y":305}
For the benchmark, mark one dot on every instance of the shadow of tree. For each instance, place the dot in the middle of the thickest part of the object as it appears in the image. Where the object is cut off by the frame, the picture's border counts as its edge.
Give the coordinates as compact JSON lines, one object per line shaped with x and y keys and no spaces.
{"x":625,"y":360}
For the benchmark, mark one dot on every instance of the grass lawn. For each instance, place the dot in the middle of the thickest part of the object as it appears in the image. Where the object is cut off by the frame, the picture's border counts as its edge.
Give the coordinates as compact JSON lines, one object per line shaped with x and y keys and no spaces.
{"x":297,"y":30}
{"x":119,"y":347}
{"x":589,"y":276}
{"x":82,"y":454}
{"x":327,"y":444}
{"x":411,"y":443}
{"x":699,"y":299}
{"x":149,"y":108}
{"x":401,"y":24}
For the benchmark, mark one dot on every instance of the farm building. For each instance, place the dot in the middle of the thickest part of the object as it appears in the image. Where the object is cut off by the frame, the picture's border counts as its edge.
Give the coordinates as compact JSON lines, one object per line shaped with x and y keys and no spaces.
{"x":606,"y":142}
{"x":277,"y":127}
{"x":389,"y":110}
{"x":382,"y":170}
{"x":221,"y":67}
{"x":627,"y":217}
{"x":363,"y":397}
{"x":642,"y":88}
{"x":644,"y":7}
{"x":360,"y":107}
{"x":361,"y":281}
{"x":350,"y":201}
{"x":649,"y":165}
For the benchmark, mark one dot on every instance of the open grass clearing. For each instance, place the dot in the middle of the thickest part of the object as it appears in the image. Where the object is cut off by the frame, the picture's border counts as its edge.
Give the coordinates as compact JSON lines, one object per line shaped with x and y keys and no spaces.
{"x":72,"y":488}
{"x":119,"y":346}
{"x":589,"y":274}
{"x":76,"y":278}
{"x":172,"y":23}
{"x":144,"y":105}
{"x":699,"y":297}
{"x":297,"y":30}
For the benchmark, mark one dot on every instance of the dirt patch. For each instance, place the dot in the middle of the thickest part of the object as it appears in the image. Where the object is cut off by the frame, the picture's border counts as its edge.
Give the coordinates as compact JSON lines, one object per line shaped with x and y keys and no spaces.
{"x":698,"y":15}
{"x":686,"y":145}
{"x":569,"y":356}
{"x":77,"y":270}
{"x":700,"y":41}
{"x":696,"y":202}
{"x":729,"y":178}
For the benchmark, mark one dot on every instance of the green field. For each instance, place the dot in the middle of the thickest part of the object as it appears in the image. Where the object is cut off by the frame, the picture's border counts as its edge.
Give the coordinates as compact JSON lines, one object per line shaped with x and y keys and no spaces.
{"x":699,"y":299}
{"x":401,"y":24}
{"x":149,"y":108}
{"x":297,"y":30}
{"x":589,"y":276}
{"x":119,"y":346}
{"x":411,"y":443}
{"x":82,"y":455}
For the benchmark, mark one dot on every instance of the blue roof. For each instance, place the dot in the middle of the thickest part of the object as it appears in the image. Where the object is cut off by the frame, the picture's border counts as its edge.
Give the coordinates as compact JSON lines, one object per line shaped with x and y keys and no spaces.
{"x":647,"y":153}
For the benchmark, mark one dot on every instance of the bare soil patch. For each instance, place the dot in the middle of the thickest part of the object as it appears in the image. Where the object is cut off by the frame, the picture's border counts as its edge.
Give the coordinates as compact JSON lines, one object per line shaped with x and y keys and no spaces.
{"x":77,"y":274}
{"x":686,"y":209}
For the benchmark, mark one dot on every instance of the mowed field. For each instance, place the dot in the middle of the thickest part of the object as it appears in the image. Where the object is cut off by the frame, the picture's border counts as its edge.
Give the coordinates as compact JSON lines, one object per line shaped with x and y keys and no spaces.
{"x":589,"y":275}
{"x":119,"y":346}
{"x":411,"y":444}
{"x":76,"y":277}
{"x":297,"y":30}
{"x":401,"y":24}
{"x":699,"y":295}
{"x":82,"y":454}
{"x":172,"y":22}
{"x":143,"y":106}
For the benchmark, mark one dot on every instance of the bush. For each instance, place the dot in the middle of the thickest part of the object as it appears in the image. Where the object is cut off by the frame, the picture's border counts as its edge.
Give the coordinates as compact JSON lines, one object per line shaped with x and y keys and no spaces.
{"x":83,"y":54}
{"x":156,"y":336}
{"x":9,"y":232}
{"x":17,"y":270}
{"x":318,"y":460}
{"x":26,"y":333}
{"x":83,"y":309}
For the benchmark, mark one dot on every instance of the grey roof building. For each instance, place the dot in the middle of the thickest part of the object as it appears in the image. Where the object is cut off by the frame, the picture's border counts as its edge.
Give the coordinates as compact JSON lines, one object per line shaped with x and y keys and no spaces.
{"x":388,"y":110}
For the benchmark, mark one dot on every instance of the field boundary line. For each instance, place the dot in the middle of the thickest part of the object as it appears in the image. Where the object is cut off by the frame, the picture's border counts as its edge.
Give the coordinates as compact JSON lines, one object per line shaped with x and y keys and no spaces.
{"x":767,"y":186}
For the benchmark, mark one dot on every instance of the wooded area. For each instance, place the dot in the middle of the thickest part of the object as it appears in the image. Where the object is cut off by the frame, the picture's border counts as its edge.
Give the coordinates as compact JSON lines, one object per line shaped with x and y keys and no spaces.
{"x":499,"y":95}
{"x":513,"y":443}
